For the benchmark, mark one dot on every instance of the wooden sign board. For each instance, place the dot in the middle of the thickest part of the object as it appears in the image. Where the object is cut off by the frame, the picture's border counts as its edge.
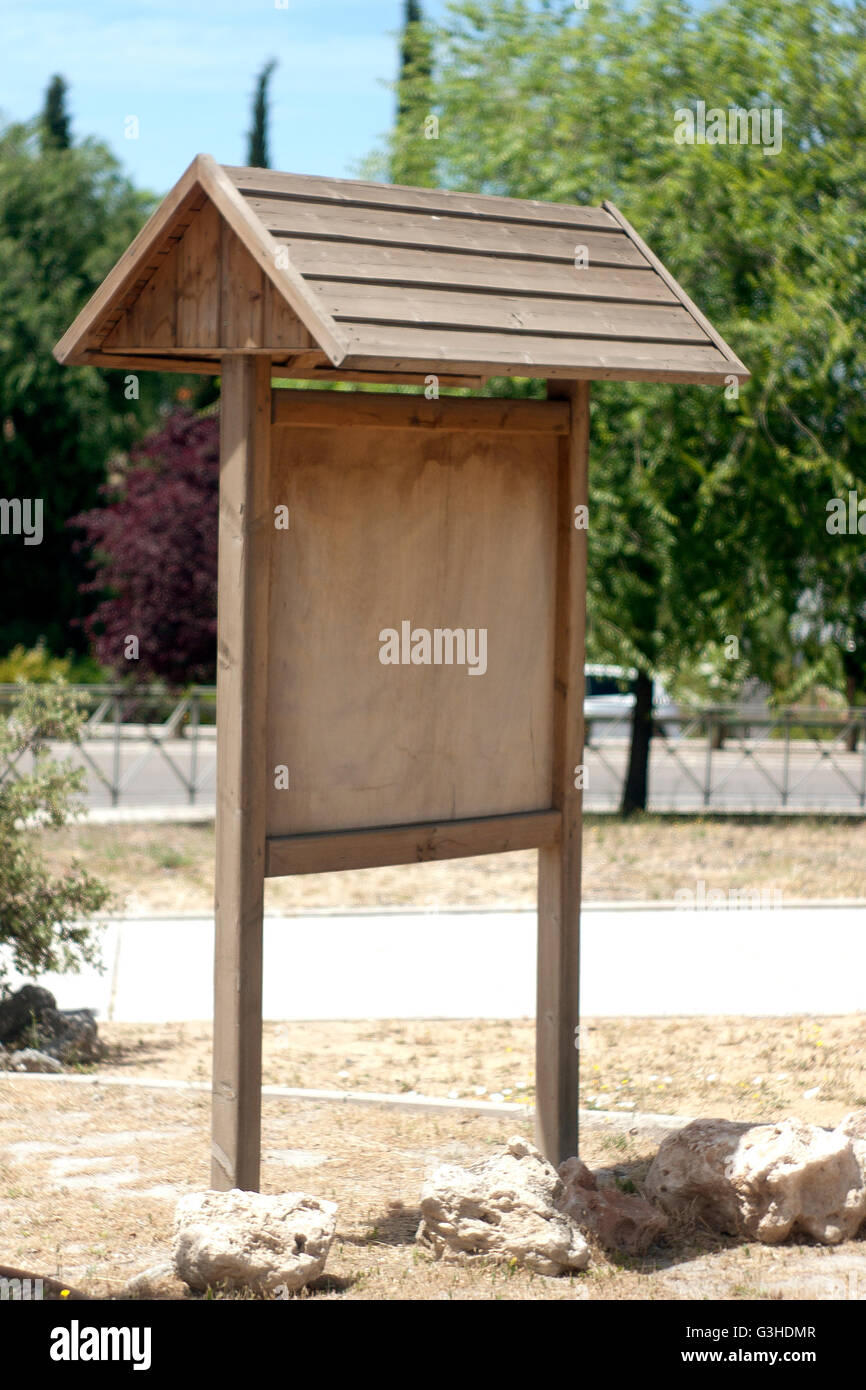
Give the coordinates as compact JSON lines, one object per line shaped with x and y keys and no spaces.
{"x":410,"y":664}
{"x":400,"y":667}
{"x":400,"y":678}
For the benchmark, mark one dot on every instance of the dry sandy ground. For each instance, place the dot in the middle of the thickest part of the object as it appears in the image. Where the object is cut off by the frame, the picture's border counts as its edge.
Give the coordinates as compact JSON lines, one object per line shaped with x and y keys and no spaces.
{"x":738,"y":1068}
{"x":89,"y":1177}
{"x":89,"y":1173}
{"x":168,"y":869}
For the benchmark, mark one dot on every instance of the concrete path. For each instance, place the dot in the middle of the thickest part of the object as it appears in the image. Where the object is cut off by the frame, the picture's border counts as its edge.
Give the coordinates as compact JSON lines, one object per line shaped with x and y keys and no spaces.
{"x":470,"y":964}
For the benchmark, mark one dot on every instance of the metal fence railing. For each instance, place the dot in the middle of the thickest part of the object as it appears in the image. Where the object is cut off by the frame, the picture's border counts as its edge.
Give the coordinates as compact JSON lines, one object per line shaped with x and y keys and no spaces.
{"x":144,"y":747}
{"x":140,"y":746}
{"x":730,"y":758}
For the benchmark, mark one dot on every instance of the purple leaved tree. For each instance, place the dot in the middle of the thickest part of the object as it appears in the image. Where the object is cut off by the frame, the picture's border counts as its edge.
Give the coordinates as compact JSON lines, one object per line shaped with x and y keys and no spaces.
{"x":154,"y":552}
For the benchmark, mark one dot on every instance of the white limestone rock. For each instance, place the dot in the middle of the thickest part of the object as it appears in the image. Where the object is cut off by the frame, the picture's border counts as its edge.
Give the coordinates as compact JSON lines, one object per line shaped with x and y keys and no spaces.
{"x":268,"y":1244}
{"x":763,"y":1181}
{"x":502,"y":1209}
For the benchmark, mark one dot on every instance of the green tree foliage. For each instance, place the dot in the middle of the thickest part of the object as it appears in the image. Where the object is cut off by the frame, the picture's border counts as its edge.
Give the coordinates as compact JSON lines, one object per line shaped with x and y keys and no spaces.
{"x":42,"y":926}
{"x":55,"y":132}
{"x":413,"y":155}
{"x":66,"y":215}
{"x":257,"y":140}
{"x":708,"y":513}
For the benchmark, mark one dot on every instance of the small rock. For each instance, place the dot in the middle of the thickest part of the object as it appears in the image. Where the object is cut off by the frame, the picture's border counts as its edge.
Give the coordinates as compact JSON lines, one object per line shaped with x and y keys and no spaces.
{"x":156,"y":1282}
{"x":854,"y":1124}
{"x":503,"y":1209}
{"x":31,"y":1060}
{"x":618,"y":1220}
{"x":76,"y":1037}
{"x":252,"y":1240}
{"x":22,"y":1009}
{"x":30,"y":1018}
{"x":764,"y":1181}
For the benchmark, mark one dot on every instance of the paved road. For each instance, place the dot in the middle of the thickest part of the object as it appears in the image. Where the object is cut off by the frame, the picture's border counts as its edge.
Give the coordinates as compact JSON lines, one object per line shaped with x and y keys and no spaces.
{"x":463,"y":964}
{"x":152,"y":776}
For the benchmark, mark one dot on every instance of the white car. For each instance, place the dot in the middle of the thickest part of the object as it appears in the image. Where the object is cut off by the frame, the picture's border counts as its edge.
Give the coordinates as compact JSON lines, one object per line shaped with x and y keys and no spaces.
{"x":609,"y":701}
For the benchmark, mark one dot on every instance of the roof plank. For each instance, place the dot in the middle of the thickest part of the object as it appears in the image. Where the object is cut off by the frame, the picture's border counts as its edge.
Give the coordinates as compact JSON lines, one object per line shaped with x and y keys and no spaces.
{"x":413,"y":265}
{"x":529,"y":355}
{"x":439,"y":232}
{"x":357,"y":193}
{"x":361,"y":302}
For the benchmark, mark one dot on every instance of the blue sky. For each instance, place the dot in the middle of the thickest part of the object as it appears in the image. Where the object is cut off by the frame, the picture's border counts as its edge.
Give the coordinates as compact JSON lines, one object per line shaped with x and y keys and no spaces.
{"x":186,"y":69}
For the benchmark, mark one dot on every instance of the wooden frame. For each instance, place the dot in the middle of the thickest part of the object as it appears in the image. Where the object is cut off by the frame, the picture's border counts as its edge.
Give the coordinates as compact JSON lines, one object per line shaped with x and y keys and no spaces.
{"x":559,"y":865}
{"x":251,"y":274}
{"x":410,"y":844}
{"x":253,"y":417}
{"x":245,"y":528}
{"x":247,"y":853}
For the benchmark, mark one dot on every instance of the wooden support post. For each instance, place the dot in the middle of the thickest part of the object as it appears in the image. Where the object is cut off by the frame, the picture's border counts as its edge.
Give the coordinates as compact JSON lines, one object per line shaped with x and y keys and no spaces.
{"x":245,"y":527}
{"x":558,"y":1007}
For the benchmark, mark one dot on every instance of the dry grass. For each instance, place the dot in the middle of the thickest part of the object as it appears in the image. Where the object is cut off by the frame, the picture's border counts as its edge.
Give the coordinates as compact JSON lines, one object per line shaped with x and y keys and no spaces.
{"x":736,"y":1068}
{"x":169,"y":868}
{"x":89,"y":1177}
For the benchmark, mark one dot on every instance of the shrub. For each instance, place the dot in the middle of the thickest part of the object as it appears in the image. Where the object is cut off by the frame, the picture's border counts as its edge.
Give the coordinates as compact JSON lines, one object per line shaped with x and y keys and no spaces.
{"x":35,"y":665}
{"x":154,"y":548}
{"x":43,"y":924}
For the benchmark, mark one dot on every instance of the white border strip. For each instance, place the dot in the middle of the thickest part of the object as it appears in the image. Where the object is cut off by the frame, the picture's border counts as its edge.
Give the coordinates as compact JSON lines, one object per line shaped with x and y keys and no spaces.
{"x":418,"y":1103}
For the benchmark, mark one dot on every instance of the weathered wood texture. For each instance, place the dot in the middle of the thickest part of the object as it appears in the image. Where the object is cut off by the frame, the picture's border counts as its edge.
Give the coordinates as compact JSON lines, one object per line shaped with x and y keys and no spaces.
{"x":558,"y":1009}
{"x":364,"y":410}
{"x":245,"y":529}
{"x":496,"y":282}
{"x":443,"y":529}
{"x":410,"y":844}
{"x":397,"y":281}
{"x":208,"y":293}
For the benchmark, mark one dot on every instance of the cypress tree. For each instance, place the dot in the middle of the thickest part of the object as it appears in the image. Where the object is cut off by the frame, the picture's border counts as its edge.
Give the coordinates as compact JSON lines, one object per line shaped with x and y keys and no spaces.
{"x":257,"y":140}
{"x":54,"y":120}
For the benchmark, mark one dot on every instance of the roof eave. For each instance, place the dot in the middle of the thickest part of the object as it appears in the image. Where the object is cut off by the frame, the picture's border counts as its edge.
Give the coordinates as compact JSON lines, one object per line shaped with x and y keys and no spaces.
{"x":720,"y":376}
{"x":737,"y":368}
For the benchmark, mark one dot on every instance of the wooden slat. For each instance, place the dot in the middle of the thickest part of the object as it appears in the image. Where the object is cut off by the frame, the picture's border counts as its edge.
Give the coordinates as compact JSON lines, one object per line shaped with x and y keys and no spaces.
{"x":282,"y":327}
{"x":385,"y":304}
{"x":559,"y":867}
{"x":198,"y":281}
{"x":410,"y":844}
{"x":245,"y":530}
{"x":354,"y":410}
{"x":357,"y":193}
{"x":323,"y":371}
{"x":527,"y":355}
{"x":357,"y":368}
{"x":131,"y":359}
{"x":411,"y":266}
{"x":242,"y":296}
{"x":152,"y":318}
{"x":442,"y":233}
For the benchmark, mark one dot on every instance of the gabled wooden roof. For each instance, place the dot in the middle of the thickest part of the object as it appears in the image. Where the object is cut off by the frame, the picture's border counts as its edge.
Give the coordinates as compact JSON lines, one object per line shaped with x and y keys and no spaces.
{"x":335,"y":277}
